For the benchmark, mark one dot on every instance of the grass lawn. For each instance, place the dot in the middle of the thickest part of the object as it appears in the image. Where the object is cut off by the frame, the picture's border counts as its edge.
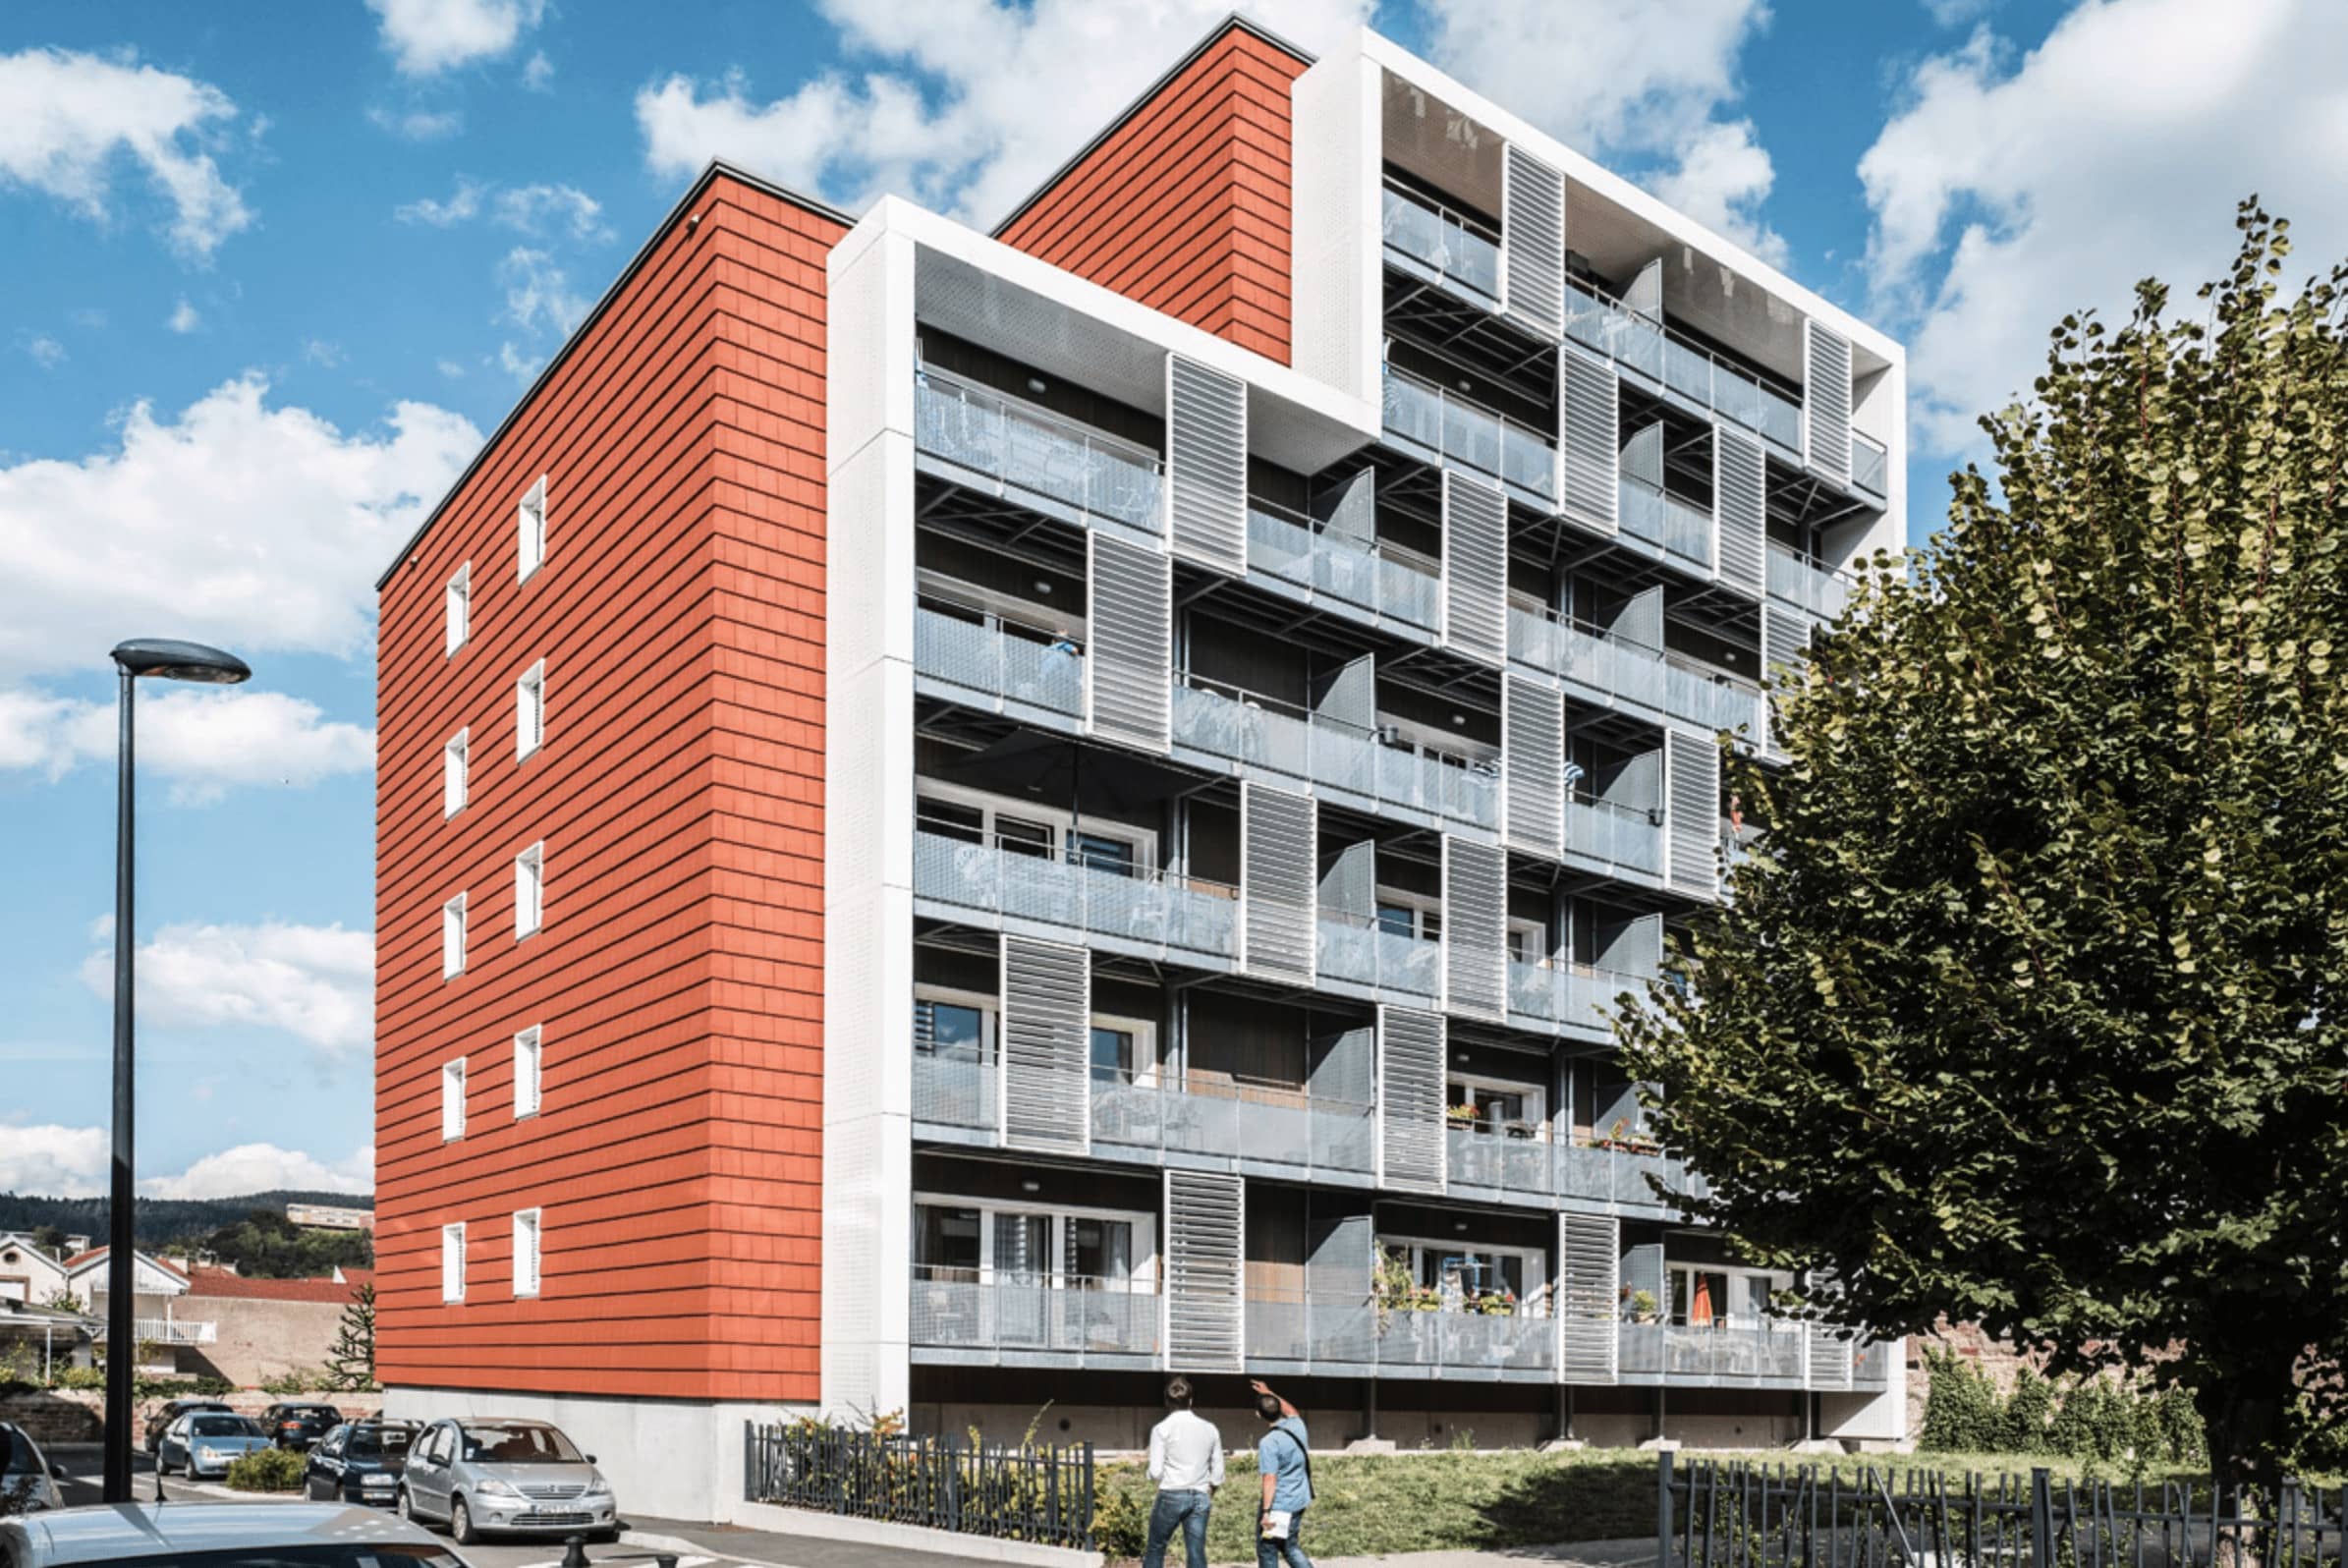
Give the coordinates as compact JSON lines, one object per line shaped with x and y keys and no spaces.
{"x":1421,"y":1502}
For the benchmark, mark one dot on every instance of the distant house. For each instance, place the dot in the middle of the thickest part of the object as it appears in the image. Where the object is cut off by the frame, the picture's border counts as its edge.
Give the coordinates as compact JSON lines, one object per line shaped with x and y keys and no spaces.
{"x":262,"y":1329}
{"x":27,"y":1272}
{"x":85,"y":1278}
{"x":326,"y":1216}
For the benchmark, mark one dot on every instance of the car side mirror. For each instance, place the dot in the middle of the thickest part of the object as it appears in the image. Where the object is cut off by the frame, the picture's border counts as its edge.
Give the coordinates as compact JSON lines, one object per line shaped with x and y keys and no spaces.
{"x":590,"y":1459}
{"x":57,"y":1470}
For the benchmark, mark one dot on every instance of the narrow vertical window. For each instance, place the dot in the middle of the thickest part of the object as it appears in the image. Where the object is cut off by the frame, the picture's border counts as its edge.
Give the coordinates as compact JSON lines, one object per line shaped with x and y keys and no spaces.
{"x":452,"y":773}
{"x":452,"y":937}
{"x":525,"y":1253}
{"x":460,"y":607}
{"x":529,"y":710}
{"x":525,"y":1073}
{"x":530,"y":890}
{"x":529,"y":524}
{"x":452,"y":1261}
{"x":451,"y":1101}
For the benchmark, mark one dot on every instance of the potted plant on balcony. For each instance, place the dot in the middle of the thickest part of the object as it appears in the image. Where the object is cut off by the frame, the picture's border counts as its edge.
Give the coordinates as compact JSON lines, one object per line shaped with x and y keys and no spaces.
{"x":1638,"y":1306}
{"x":1460,"y":1118}
{"x":1495,"y":1304}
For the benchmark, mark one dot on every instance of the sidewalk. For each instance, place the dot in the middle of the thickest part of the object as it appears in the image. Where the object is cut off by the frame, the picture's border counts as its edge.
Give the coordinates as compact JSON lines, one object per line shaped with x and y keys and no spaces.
{"x":1637,"y":1552}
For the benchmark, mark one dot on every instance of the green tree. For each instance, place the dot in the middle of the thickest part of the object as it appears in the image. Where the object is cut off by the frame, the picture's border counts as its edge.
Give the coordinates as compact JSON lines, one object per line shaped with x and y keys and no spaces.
{"x":2026,"y":1014}
{"x":351,"y":1363}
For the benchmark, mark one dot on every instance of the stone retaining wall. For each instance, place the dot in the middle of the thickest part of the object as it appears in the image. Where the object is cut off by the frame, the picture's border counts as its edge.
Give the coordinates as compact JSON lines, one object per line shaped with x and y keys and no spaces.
{"x":77,"y":1414}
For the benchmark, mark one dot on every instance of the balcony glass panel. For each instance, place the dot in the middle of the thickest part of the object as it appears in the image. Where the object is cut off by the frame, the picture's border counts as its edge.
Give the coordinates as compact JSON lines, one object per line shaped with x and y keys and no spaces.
{"x":1352,"y":948}
{"x":1269,"y":1123}
{"x":1562,"y":992}
{"x":1444,"y":244}
{"x":1182,"y":913}
{"x":998,"y":658}
{"x":1466,"y":1341}
{"x":1868,"y":462}
{"x":1024,"y":447}
{"x":1710,"y":698}
{"x":1666,"y":358}
{"x":1716,"y":1354}
{"x":1801,"y":581}
{"x":953,"y":1093}
{"x":1781,"y":419}
{"x":1466,"y":434}
{"x":1066,"y":1312}
{"x":1228,"y":722}
{"x":1617,"y":835}
{"x":1363,"y":573}
{"x":1500,"y":1160}
{"x":1687,"y":531}
{"x":1543,"y":641}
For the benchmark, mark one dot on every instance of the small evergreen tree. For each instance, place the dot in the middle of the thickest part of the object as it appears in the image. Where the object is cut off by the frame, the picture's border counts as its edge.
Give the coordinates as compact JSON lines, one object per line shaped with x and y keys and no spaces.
{"x":351,"y":1363}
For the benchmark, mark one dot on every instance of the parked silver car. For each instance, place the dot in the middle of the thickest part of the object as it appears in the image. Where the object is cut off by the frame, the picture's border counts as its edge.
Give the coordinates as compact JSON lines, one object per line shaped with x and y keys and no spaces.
{"x":205,"y":1442}
{"x":484,"y":1474}
{"x":27,"y":1481}
{"x":168,"y":1534}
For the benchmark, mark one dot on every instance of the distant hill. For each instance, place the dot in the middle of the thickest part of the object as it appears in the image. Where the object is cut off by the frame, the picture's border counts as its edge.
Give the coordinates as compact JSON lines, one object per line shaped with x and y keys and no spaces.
{"x":160,"y":1221}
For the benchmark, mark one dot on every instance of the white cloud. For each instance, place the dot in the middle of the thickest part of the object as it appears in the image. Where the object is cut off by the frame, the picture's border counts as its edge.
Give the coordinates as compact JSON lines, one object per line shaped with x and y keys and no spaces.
{"x":1722,"y":179}
{"x":520,"y":364}
{"x":417,"y":125}
{"x":538,"y":76}
{"x":525,"y":208}
{"x":426,"y":36}
{"x":992,"y":136}
{"x":54,"y":1162}
{"x":538,"y":296}
{"x":316,"y":982}
{"x":260,"y":529}
{"x":182,"y":317}
{"x":261,"y":1168}
{"x":452,"y":369}
{"x":71,"y":117}
{"x":202,"y":741}
{"x":46,"y":351}
{"x":1956,"y":13}
{"x":322,"y":354}
{"x":463,"y":203}
{"x":2016,"y":188}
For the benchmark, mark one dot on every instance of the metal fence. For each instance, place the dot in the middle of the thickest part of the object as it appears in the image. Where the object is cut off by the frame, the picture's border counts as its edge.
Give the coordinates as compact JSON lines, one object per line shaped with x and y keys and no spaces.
{"x":1741,"y":1515}
{"x":1027,"y":1493}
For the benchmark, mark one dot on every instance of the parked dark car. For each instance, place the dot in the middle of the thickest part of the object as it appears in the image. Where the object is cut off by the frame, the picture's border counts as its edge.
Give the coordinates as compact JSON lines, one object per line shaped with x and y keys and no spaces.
{"x":298,"y":1425}
{"x":173,"y":1410}
{"x":359,"y":1462}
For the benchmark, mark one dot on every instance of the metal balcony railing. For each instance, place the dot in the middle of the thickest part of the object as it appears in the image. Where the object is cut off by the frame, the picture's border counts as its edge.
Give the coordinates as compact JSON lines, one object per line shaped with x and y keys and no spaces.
{"x":1353,"y":1331}
{"x":954,"y":1090}
{"x":1560,"y":992}
{"x":955,"y":1310}
{"x":1544,"y":640}
{"x":1266,"y":1123}
{"x":1802,"y":582}
{"x":1614,"y":834}
{"x":169,"y":1331}
{"x":1714,"y":1354}
{"x":1869,"y":462}
{"x":1024,"y":448}
{"x":1432,"y":241}
{"x":1371,"y":575}
{"x":993,"y":656}
{"x":1667,"y":359}
{"x":1502,"y":1160}
{"x":1678,"y":528}
{"x":1448,"y":429}
{"x":1710,"y":697}
{"x":1361,"y":950}
{"x":1617,"y":1176}
{"x":1007,"y":878}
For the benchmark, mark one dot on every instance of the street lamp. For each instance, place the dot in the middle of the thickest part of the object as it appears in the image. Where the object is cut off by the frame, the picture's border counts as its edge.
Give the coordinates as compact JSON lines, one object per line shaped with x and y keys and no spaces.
{"x":169,"y":661}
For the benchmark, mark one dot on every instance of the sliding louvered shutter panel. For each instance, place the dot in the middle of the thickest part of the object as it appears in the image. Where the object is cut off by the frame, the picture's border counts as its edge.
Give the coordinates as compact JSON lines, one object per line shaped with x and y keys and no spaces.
{"x":1826,"y":402}
{"x":1207,"y":1223}
{"x":1474,"y":568}
{"x":1046,"y":1046}
{"x":1411,"y":1048}
{"x":1474,"y":928}
{"x":1740,"y":518}
{"x":1588,"y":392}
{"x":1277,"y":864}
{"x":1533,"y":230}
{"x":1338,"y":1276}
{"x":1589,"y":1269}
{"x":1533,"y":765}
{"x":1129,"y":695}
{"x":1691,"y":815}
{"x":1207,"y":465}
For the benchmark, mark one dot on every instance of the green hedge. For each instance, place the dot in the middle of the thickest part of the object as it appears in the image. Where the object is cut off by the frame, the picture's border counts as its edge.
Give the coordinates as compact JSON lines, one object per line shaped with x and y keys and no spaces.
{"x":2094,"y":1418}
{"x":266,"y":1469}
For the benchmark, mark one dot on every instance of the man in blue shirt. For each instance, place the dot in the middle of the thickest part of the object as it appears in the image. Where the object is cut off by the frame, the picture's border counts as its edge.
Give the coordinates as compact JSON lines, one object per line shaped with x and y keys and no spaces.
{"x":1286,"y":1463}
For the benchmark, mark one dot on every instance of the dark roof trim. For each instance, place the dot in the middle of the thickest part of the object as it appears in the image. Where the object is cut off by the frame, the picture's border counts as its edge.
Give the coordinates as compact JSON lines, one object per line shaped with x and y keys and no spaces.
{"x":1214,"y":35}
{"x":684,"y":207}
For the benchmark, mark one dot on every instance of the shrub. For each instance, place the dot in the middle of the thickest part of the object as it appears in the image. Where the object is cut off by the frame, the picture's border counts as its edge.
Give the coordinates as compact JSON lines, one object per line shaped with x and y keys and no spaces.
{"x":1962,"y":1412}
{"x":2095,"y":1418}
{"x":1120,"y":1512}
{"x":266,"y":1469}
{"x":295,"y":1381}
{"x":2030,"y":1414}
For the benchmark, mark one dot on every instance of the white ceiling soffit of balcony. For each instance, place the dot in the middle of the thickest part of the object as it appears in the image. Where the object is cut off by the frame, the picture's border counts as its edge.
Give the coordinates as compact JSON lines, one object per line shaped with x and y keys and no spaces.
{"x":1698,"y":291}
{"x":1429,"y":138}
{"x":1063,"y":341}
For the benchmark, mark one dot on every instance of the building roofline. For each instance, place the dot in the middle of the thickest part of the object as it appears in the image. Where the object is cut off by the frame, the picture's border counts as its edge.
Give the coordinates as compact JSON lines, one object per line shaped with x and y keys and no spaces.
{"x":684,"y":205}
{"x":1214,"y":35}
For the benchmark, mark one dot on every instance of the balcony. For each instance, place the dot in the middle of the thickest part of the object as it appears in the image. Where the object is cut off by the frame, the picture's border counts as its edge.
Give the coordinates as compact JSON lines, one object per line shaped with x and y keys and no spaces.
{"x":1263,"y":732}
{"x":1614,"y":835}
{"x":1559,"y":992}
{"x":1710,"y":698}
{"x":1712,"y":1355}
{"x":1501,"y":1166}
{"x":1446,"y":428}
{"x":1351,"y":1332}
{"x":1868,"y":463}
{"x":1012,"y":883}
{"x":1610,"y":665}
{"x":1379,"y":579}
{"x":167,"y":1331}
{"x":1360,"y":951}
{"x":1500,"y":1161}
{"x":1026,"y":452}
{"x":1615,"y":1175}
{"x":1801,"y":581}
{"x":1680,"y":528}
{"x":1666,"y":358}
{"x":1064,"y":1320}
{"x":955,"y":1091}
{"x":997,"y":661}
{"x":1429,"y":241}
{"x":1262,"y":1124}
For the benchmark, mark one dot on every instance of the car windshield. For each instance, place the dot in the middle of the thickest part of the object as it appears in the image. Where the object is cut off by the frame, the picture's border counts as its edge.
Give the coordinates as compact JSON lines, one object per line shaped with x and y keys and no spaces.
{"x":379,"y":1442}
{"x":222,"y":1426}
{"x":518,"y":1444}
{"x":345,"y":1554}
{"x":16,"y":1454}
{"x":313,"y":1412}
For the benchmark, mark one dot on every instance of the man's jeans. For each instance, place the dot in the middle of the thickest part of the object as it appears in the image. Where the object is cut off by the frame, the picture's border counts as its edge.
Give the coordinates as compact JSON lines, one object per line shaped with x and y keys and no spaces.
{"x":1183,"y":1510}
{"x":1269,"y":1553}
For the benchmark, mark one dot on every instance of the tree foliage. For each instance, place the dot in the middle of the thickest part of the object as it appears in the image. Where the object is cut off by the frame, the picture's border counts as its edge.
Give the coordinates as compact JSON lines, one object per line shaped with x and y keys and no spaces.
{"x":351,"y":1363}
{"x":265,"y":1245}
{"x":2024,"y":1012}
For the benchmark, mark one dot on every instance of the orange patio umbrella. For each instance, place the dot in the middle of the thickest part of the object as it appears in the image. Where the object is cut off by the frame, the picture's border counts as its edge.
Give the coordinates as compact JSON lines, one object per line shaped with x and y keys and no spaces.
{"x":1699,"y":1311}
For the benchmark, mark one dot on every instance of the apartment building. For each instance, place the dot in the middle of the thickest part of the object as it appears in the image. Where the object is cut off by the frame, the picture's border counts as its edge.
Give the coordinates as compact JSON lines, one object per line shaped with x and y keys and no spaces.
{"x":965,"y":819}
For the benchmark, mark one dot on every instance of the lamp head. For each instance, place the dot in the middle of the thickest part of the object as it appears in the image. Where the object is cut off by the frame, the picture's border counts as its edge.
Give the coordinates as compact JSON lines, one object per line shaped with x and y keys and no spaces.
{"x":172,"y":660}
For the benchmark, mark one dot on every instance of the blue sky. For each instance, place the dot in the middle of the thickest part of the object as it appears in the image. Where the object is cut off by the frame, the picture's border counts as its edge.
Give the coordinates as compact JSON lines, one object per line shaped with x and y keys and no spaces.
{"x":272,"y":271}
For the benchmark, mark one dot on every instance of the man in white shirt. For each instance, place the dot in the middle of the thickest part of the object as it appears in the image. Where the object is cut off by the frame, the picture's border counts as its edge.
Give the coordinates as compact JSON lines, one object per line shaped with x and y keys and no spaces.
{"x":1186,"y":1460}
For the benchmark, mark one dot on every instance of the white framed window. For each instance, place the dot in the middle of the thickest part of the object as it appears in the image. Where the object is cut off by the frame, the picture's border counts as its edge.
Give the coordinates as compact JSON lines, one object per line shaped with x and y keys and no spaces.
{"x":1124,"y":1051}
{"x":525,"y":1253}
{"x":453,"y":780}
{"x":1529,"y":943}
{"x":960,"y":1240}
{"x":1408,"y":914}
{"x":452,"y":937}
{"x":1461,"y":1272}
{"x":1024,"y":828}
{"x":452,"y":1261}
{"x":451,"y":1101}
{"x":529,"y":530}
{"x":1496,"y":1104}
{"x":530,"y":890}
{"x":459,"y":603}
{"x":1725,"y":1296}
{"x":529,"y":710}
{"x":526,"y":1072}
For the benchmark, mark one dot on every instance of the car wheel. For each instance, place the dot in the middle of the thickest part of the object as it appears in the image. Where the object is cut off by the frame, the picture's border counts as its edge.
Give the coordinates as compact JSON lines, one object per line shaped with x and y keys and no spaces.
{"x":404,"y":1507}
{"x":460,"y":1524}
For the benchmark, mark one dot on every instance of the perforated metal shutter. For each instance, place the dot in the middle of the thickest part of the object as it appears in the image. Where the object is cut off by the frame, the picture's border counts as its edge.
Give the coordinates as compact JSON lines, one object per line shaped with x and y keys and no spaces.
{"x":1350,"y":884}
{"x":1643,"y":1270}
{"x":1337,"y":1285}
{"x":1046,"y":1046}
{"x":1474,"y":568}
{"x":1411,"y":1048}
{"x":1826,"y":402}
{"x":1350,"y":700}
{"x":1206,"y":1225}
{"x":1593,"y":402}
{"x":1474,"y":928}
{"x":1633,"y":945}
{"x":1739,"y":510}
{"x":1589,"y":1268}
{"x":1785,"y":656}
{"x":1691,"y":815}
{"x":1130,"y":694}
{"x":1642,"y":456}
{"x":1346,"y":1069}
{"x":1207,"y":465}
{"x":1532,"y":763}
{"x":1532,"y":228}
{"x":1277,"y":864}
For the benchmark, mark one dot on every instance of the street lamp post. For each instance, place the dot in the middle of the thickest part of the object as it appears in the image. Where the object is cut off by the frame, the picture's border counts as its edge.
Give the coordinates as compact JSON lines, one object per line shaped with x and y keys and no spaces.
{"x":168,"y":661}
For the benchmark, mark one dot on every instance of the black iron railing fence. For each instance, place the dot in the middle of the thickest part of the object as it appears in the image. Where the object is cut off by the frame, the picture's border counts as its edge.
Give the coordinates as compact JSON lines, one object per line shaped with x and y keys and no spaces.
{"x":1039,"y":1493}
{"x":1743,"y":1515}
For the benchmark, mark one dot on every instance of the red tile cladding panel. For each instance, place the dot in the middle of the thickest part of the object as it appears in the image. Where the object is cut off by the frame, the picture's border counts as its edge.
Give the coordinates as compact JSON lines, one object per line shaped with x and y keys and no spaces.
{"x":678,"y":977}
{"x":1185,"y":206}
